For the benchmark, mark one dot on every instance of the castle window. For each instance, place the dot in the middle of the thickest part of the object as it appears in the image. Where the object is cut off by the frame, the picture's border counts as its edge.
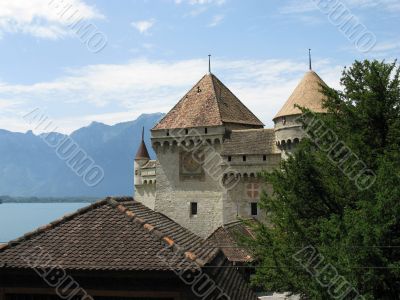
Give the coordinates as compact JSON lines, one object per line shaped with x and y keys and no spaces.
{"x":167,"y":132}
{"x":193,"y":208}
{"x":205,"y":130}
{"x":229,"y":158}
{"x":264,"y":157}
{"x":186,"y":131}
{"x":284,"y":120}
{"x":244,"y":158}
{"x":254,"y":208}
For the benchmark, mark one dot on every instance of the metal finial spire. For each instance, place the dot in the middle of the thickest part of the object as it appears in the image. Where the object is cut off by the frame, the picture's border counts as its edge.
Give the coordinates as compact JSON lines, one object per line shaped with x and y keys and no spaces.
{"x":209,"y":63}
{"x":143,"y":133}
{"x":309,"y":58}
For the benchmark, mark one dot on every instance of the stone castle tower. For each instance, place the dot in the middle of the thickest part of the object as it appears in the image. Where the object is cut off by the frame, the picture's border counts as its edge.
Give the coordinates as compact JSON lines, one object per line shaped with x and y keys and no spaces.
{"x":210,"y":148}
{"x":288,"y":131}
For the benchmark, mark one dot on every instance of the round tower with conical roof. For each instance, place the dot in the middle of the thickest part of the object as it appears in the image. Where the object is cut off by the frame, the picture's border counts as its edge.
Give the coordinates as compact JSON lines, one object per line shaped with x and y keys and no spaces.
{"x":288,"y":128}
{"x":142,"y":157}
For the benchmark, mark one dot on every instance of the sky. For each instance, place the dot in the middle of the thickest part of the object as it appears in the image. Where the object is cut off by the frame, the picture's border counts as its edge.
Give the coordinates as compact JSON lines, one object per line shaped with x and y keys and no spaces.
{"x":80,"y":61}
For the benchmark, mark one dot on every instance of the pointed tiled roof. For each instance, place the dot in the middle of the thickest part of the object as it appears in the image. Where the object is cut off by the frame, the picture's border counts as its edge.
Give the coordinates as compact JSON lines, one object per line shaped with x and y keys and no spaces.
{"x":208,"y":103}
{"x":142,"y":152}
{"x":307,"y":94}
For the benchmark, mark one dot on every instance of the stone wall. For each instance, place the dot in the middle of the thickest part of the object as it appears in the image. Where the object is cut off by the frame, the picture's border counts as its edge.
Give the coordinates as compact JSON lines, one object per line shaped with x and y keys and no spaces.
{"x":288,"y":128}
{"x":146,"y":194}
{"x":175,"y":194}
{"x":216,"y":205}
{"x":249,"y":187}
{"x":288,"y":132}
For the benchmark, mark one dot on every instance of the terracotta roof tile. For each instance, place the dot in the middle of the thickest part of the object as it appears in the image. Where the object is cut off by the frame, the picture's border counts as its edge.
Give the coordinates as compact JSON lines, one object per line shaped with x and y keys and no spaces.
{"x":85,"y":239}
{"x":150,"y":164}
{"x":121,"y":234}
{"x":250,"y":141}
{"x":228,"y":239}
{"x":142,"y":152}
{"x":307,"y":94}
{"x":208,"y":103}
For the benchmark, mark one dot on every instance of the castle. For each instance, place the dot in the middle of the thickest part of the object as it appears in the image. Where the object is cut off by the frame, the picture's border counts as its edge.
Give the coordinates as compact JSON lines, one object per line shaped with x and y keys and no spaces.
{"x":210,"y":148}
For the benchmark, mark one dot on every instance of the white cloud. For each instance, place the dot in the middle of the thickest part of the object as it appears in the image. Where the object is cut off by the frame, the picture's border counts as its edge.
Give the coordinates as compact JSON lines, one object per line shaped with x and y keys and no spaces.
{"x":302,"y":7}
{"x":217,"y":2}
{"x":216,"y":20}
{"x":388,"y":5}
{"x":143,"y":26}
{"x":201,"y":2}
{"x":200,"y":6}
{"x":387,"y":50}
{"x":120,"y":92}
{"x":5,"y":104}
{"x":295,"y":7}
{"x":42,"y":18}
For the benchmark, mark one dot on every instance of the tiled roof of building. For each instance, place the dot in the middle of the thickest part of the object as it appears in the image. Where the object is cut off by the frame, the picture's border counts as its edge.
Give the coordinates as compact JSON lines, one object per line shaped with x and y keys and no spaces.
{"x":228,"y":237}
{"x":120,"y":234}
{"x":142,"y":152}
{"x":307,"y":94}
{"x":151,"y":164}
{"x":108,"y":235}
{"x":208,"y":103}
{"x":250,"y":141}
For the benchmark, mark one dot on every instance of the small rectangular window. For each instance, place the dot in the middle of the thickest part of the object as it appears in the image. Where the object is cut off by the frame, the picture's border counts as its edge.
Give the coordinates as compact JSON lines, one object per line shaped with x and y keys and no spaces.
{"x":193,"y":208}
{"x":254,"y":209}
{"x":229,"y":158}
{"x":205,"y":130}
{"x":264,"y":157}
{"x":244,"y":157}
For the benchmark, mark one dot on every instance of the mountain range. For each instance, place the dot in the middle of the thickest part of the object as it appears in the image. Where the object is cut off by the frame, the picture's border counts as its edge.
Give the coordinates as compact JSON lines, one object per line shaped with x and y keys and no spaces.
{"x":31,"y":168}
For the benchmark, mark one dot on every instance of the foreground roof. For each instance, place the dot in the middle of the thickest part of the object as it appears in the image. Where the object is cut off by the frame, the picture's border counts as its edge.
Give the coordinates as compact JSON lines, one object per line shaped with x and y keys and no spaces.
{"x":228,"y":237}
{"x":107,"y":235}
{"x":250,"y":141}
{"x":307,"y":94}
{"x":208,"y":103}
{"x":120,"y":234}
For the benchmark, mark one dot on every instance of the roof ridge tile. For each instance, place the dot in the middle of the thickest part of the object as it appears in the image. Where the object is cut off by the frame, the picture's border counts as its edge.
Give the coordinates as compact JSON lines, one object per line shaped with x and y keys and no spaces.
{"x":202,"y":106}
{"x":215,"y":95}
{"x":158,"y":234}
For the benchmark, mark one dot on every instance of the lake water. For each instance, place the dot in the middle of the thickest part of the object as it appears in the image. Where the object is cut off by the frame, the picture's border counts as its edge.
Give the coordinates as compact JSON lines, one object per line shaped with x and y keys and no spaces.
{"x":17,"y":219}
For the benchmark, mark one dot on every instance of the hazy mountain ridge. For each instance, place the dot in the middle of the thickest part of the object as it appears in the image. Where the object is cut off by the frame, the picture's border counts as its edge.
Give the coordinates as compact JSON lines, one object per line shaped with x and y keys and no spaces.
{"x":29,"y":167}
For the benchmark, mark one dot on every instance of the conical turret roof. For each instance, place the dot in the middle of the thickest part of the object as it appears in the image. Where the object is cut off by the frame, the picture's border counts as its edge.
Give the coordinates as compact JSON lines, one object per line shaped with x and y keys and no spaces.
{"x":208,"y":103}
{"x":307,"y":94}
{"x":142,"y":152}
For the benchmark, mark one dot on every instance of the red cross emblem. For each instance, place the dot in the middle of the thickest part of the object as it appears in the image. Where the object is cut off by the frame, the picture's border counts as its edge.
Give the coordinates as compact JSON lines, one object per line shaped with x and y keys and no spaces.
{"x":253,"y":190}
